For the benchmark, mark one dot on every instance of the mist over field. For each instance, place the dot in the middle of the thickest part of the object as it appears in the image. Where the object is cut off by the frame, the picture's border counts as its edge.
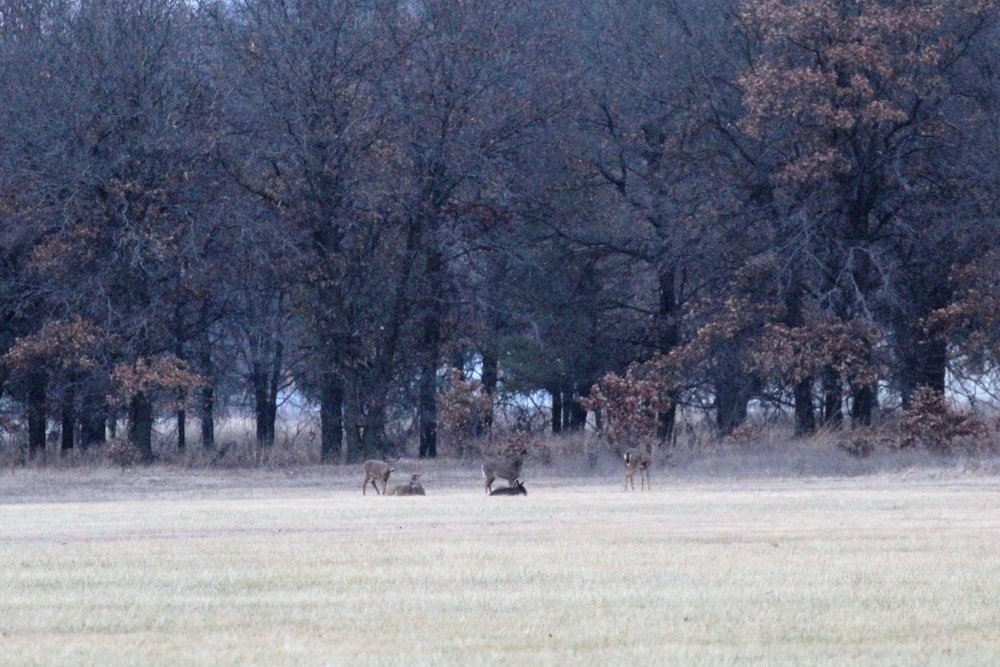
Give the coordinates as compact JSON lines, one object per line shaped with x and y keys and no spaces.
{"x":294,"y":566}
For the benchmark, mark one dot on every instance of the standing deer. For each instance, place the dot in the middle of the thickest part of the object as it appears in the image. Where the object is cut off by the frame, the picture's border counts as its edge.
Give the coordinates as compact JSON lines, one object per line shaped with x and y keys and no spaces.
{"x":376,"y":471}
{"x":516,"y":490}
{"x":637,"y":459}
{"x":508,"y":468}
{"x":413,"y":488}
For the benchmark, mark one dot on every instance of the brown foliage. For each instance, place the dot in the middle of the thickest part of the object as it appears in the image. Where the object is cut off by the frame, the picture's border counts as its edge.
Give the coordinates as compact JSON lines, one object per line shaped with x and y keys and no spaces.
{"x":61,"y":346}
{"x":631,"y":405}
{"x":122,"y":452}
{"x":150,"y":377}
{"x":463,"y":410}
{"x":972,"y":322}
{"x":792,"y":354}
{"x":932,"y":423}
{"x":837,"y":70}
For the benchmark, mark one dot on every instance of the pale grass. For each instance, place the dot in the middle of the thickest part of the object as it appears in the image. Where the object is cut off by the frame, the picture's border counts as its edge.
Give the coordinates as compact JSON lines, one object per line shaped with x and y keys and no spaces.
{"x":158,"y":569}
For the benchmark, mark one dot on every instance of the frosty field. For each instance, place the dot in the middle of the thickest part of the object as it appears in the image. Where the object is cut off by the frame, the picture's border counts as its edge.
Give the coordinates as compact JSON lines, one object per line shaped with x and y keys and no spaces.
{"x":296,"y":567}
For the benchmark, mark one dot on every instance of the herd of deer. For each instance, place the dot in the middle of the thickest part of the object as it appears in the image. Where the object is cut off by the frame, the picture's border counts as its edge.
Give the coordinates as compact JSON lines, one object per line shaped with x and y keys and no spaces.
{"x":508,"y":468}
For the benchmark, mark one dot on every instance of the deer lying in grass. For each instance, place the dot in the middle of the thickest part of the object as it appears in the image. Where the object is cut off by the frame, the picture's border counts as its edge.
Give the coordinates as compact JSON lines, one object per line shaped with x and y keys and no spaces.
{"x":508,"y":468}
{"x":413,"y":488}
{"x":376,"y":471}
{"x":516,"y":490}
{"x":637,"y":459}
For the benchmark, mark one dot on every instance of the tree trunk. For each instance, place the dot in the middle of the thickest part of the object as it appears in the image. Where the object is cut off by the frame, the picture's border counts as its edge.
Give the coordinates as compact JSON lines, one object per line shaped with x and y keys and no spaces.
{"x":733,"y":391}
{"x":805,"y":414}
{"x":557,"y":409}
{"x":863,"y":401}
{"x":181,"y":429}
{"x":923,"y":363}
{"x":372,"y":436}
{"x":68,"y":419}
{"x":665,"y":421}
{"x":491,"y":376}
{"x":575,"y":415}
{"x":140,"y":426}
{"x":93,"y":419}
{"x":331,"y":411}
{"x":833,"y":399}
{"x":266,"y":378}
{"x":428,"y":411}
{"x":258,"y":379}
{"x":206,"y":414}
{"x":37,"y":413}
{"x":731,"y":398}
{"x":206,"y":394}
{"x":353,"y":420}
{"x":430,"y":353}
{"x":669,"y":337}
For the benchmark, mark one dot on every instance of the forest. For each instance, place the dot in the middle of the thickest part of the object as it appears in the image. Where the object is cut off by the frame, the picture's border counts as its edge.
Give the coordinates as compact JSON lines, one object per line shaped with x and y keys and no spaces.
{"x":400,"y":211}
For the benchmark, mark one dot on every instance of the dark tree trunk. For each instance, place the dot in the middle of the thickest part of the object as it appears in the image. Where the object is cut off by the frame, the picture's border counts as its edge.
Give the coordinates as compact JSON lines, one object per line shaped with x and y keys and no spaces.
{"x":833,"y":399}
{"x":430,"y":353}
{"x":669,"y":337}
{"x":733,"y":391}
{"x":93,"y":418}
{"x":264,"y":434}
{"x":206,"y":414}
{"x":206,"y":404}
{"x":37,"y":413}
{"x":805,"y":413}
{"x":428,"y":411}
{"x":140,"y":426}
{"x":372,"y":437}
{"x":68,"y":419}
{"x":364,"y":420}
{"x":863,"y":402}
{"x":181,"y":429}
{"x":731,"y":398}
{"x":557,"y":410}
{"x":923,"y":363}
{"x":665,"y":422}
{"x":353,"y":422}
{"x":575,"y":415}
{"x":206,"y":394}
{"x":331,"y":411}
{"x":491,"y":376}
{"x":266,"y":379}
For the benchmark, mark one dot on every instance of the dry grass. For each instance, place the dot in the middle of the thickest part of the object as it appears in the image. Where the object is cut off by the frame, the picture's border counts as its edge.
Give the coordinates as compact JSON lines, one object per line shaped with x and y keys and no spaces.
{"x":296,"y":567}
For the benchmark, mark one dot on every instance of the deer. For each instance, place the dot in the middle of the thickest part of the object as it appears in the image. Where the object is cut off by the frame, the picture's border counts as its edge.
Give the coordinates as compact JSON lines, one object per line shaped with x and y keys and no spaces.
{"x":637,"y":459}
{"x":413,"y":488}
{"x":508,"y":468}
{"x":374,"y":471}
{"x":517,"y":489}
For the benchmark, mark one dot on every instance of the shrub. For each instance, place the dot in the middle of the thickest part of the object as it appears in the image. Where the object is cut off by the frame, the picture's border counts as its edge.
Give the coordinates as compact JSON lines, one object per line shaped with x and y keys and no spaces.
{"x":932,"y":423}
{"x":123,"y":453}
{"x":463,"y":412}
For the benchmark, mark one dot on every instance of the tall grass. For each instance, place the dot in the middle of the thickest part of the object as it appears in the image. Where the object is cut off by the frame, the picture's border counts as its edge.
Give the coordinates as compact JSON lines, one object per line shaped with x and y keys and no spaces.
{"x":230,"y":570}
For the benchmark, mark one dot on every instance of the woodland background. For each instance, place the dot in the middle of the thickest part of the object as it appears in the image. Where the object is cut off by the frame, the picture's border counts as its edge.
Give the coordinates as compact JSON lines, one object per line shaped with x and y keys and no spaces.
{"x":419,"y":218}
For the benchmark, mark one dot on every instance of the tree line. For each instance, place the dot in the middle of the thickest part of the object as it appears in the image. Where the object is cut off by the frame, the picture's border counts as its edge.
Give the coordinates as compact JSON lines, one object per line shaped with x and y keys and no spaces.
{"x":676,"y":203}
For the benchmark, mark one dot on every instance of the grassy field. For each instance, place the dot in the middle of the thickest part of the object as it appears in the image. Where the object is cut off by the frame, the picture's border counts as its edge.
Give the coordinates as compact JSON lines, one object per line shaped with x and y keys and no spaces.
{"x":295,"y":567}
